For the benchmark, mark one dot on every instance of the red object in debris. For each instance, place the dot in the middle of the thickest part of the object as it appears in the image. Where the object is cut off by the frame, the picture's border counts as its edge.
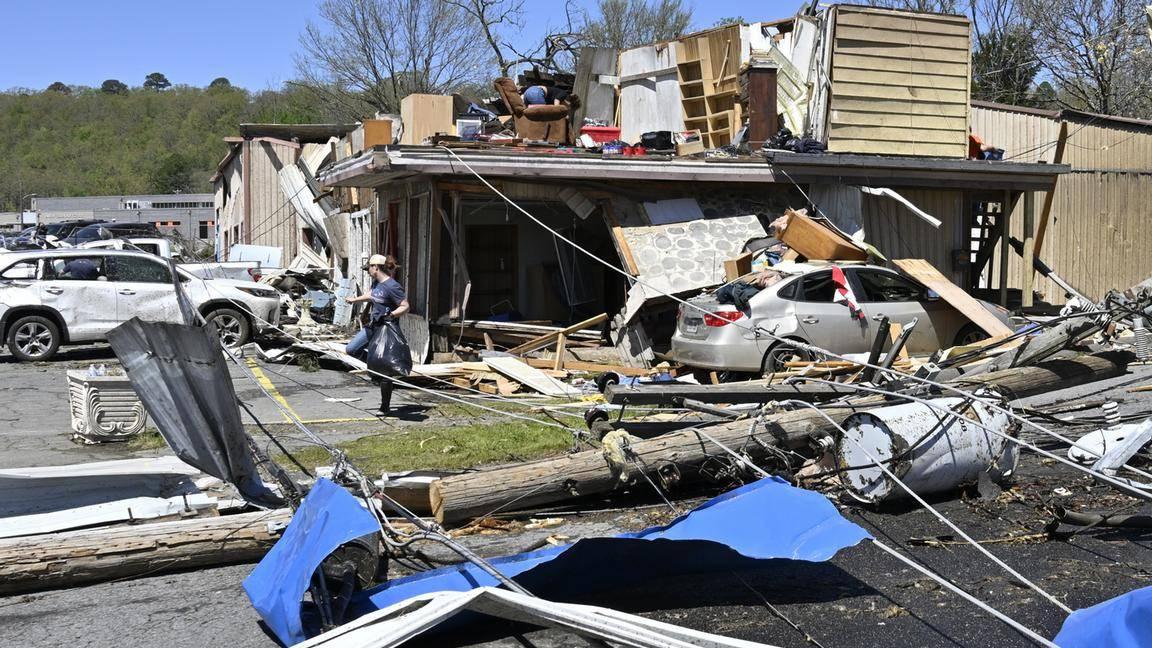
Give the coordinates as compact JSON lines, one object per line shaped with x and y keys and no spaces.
{"x":255,"y":274}
{"x":722,"y":318}
{"x":601,"y":134}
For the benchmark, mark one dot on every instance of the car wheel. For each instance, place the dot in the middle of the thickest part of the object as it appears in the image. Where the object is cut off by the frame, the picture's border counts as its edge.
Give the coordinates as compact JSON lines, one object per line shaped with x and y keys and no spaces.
{"x":32,"y":338}
{"x":776,"y":357}
{"x":970,"y":334}
{"x":231,"y":325}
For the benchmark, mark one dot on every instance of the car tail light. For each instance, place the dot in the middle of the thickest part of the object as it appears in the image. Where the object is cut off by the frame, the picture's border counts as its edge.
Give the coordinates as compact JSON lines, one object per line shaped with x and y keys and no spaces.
{"x":721,"y":318}
{"x":254,"y":273}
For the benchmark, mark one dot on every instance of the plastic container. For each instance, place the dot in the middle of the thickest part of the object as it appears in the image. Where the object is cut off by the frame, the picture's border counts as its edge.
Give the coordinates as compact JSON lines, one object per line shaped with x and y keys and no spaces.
{"x":601,"y":134}
{"x":946,"y":451}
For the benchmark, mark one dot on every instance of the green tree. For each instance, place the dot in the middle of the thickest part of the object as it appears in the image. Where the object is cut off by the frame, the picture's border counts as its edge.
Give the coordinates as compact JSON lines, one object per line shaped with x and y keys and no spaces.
{"x":157,"y":82}
{"x":623,"y":24}
{"x":113,"y":86}
{"x":172,"y":174}
{"x":220,"y":83}
{"x":1004,"y":66}
{"x":59,"y":86}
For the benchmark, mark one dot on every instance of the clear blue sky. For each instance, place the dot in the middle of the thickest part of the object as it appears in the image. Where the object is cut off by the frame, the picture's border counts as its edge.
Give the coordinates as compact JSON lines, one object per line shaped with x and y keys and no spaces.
{"x":252,"y":42}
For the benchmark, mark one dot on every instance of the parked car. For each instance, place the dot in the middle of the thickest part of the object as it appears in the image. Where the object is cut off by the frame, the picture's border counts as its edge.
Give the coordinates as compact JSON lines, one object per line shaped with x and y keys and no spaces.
{"x":167,"y":249}
{"x":116,"y":230}
{"x":801,"y":307}
{"x":50,"y":298}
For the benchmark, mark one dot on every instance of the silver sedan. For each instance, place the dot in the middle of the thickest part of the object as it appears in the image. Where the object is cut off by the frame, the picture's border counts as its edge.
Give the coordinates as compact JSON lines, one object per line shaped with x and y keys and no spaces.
{"x":801,"y":307}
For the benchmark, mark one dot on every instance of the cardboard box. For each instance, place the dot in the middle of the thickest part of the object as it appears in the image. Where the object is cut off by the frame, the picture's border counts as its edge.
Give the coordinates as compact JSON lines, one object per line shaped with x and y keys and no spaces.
{"x":425,"y":115}
{"x":377,"y":132}
{"x":688,"y":142}
{"x":738,"y":267}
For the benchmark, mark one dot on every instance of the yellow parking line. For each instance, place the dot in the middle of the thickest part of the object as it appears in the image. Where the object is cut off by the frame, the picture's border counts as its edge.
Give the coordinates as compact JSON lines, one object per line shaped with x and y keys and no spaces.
{"x":341,"y":420}
{"x":266,"y":383}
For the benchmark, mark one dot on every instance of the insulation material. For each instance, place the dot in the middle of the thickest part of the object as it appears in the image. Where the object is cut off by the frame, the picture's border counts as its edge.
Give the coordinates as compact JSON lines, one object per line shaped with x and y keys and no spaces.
{"x":688,"y":256}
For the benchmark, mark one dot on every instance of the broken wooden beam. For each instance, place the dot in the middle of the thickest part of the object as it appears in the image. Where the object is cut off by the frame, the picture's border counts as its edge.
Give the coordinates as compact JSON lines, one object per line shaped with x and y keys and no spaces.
{"x":1059,"y":373}
{"x":55,"y":560}
{"x":731,"y":393}
{"x":539,"y":342}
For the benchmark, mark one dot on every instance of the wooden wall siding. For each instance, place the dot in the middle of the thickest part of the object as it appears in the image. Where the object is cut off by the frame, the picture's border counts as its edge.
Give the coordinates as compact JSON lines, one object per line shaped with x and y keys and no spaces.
{"x":900,"y":83}
{"x":900,"y":234}
{"x":1098,"y":236}
{"x":274,"y":221}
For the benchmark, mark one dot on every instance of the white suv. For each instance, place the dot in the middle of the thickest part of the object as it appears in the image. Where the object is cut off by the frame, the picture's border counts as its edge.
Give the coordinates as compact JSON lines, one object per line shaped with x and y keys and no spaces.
{"x":74,"y":296}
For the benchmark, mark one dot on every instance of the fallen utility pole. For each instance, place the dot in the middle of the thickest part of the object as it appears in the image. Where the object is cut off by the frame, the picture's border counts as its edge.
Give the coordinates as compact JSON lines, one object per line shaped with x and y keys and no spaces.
{"x":522,"y":486}
{"x":74,"y":558}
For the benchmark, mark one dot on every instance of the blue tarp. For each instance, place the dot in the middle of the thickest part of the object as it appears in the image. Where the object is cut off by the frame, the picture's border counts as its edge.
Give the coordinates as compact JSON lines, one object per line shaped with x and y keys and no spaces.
{"x":1121,"y":622}
{"x":763,"y":520}
{"x":329,"y":517}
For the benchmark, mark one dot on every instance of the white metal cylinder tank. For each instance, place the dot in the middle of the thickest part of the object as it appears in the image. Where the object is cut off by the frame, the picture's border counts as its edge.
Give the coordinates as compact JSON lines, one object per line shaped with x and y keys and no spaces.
{"x":933,"y":451}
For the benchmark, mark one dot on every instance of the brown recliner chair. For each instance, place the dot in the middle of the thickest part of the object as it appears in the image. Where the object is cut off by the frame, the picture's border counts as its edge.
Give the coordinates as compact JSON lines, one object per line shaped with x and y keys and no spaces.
{"x":546,"y":123}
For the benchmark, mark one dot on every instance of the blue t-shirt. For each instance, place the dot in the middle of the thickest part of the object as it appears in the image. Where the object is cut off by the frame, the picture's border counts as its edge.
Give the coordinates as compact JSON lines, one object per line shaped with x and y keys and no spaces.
{"x":386,"y":296}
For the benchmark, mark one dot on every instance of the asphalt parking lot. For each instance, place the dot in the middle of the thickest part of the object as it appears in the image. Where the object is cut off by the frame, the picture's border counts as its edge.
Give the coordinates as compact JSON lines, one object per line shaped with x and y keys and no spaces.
{"x":859,"y":598}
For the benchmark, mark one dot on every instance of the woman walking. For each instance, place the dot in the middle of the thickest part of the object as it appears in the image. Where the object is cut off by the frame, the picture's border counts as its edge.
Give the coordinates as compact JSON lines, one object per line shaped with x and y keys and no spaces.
{"x":389,"y":301}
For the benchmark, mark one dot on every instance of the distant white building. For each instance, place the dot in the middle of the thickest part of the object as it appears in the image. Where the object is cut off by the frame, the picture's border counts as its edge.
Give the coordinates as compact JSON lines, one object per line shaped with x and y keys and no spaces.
{"x":189,"y":215}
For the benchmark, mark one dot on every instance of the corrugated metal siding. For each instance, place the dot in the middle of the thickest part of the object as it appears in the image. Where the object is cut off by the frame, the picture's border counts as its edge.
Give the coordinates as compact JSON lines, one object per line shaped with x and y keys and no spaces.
{"x":900,"y":83}
{"x":1098,"y":236}
{"x":900,"y":234}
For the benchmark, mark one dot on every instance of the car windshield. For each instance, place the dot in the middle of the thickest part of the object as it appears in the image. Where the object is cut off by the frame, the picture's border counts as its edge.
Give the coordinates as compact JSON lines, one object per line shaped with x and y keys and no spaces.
{"x":55,"y":229}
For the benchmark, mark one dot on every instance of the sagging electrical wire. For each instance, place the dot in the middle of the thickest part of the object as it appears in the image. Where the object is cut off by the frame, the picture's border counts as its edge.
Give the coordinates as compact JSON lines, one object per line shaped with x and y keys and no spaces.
{"x":760,"y":330}
{"x":920,"y":500}
{"x":911,"y":563}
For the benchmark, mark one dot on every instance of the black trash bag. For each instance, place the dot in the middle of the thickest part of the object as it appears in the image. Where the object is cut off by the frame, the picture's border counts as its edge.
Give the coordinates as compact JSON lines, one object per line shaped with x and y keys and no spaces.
{"x":657,"y":141}
{"x":388,"y":351}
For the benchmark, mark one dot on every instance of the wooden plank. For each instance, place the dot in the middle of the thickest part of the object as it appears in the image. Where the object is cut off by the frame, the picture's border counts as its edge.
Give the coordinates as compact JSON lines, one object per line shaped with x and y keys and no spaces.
{"x":560,"y":344}
{"x":1046,"y":210}
{"x":902,"y":37}
{"x":931,"y":136}
{"x":869,"y":90}
{"x":548,"y":338}
{"x":593,"y":367}
{"x":618,"y":239}
{"x":893,"y":50}
{"x":919,"y":23}
{"x":912,"y":65}
{"x":901,"y":78}
{"x":923,"y":272}
{"x":896,"y":148}
{"x":900,"y":120}
{"x":1029,"y":247}
{"x":895,"y":330}
{"x":529,"y":376}
{"x":889,"y":106}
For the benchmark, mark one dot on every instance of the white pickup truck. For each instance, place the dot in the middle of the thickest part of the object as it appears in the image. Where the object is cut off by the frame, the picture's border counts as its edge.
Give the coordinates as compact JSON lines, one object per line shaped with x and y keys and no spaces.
{"x":164,"y":248}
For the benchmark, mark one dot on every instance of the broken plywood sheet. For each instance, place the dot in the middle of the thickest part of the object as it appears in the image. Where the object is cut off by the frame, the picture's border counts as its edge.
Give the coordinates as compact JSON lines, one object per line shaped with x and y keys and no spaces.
{"x":676,"y":210}
{"x":922,"y":271}
{"x":529,"y":376}
{"x":687,"y":256}
{"x":294,"y":185}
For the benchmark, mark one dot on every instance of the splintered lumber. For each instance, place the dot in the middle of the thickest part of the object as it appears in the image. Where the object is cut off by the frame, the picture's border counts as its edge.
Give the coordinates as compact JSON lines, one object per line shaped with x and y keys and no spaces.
{"x":523,"y":486}
{"x":925,"y":273}
{"x":749,"y":392}
{"x":74,"y":558}
{"x":581,"y":365}
{"x":542,"y":341}
{"x":529,"y":376}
